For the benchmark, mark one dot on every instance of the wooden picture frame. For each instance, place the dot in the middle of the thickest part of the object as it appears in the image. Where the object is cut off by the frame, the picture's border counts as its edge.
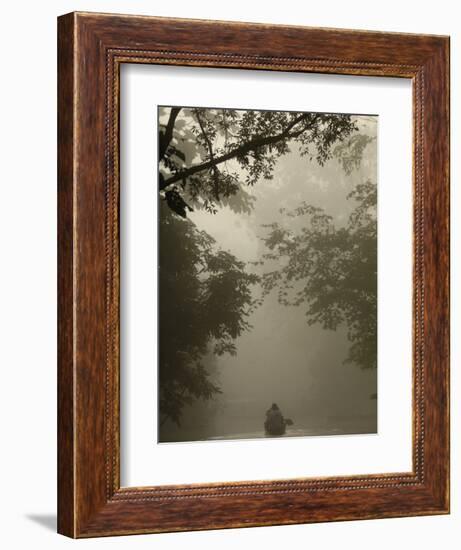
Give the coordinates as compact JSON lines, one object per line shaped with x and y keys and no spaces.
{"x":91,"y":48}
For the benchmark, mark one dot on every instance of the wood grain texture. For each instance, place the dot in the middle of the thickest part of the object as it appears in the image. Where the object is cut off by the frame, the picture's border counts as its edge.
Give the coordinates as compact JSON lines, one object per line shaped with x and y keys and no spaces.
{"x":91,"y":49}
{"x":66,"y":487}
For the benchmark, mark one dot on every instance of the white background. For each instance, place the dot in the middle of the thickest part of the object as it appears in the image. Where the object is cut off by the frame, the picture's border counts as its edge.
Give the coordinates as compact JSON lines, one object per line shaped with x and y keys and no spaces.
{"x":144,"y":87}
{"x":28,"y":274}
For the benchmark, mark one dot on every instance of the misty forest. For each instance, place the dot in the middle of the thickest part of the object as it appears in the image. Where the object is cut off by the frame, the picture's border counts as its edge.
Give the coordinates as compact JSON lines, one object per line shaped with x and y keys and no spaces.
{"x":267,"y":274}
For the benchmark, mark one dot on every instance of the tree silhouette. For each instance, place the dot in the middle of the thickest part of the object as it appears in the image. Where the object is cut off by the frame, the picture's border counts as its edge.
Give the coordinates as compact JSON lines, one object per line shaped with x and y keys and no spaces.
{"x":331,"y":271}
{"x":205,"y":299}
{"x":207,"y":157}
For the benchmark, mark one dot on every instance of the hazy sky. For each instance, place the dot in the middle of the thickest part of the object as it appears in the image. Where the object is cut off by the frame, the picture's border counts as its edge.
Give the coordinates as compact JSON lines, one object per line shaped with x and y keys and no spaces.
{"x":283,"y":359}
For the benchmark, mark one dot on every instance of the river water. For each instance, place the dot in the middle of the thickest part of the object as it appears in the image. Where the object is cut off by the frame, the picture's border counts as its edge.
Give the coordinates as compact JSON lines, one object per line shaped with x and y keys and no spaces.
{"x":251,"y":428}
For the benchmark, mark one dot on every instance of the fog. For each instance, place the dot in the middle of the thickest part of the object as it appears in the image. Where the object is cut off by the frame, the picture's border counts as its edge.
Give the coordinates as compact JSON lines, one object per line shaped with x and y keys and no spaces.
{"x":282,"y":359}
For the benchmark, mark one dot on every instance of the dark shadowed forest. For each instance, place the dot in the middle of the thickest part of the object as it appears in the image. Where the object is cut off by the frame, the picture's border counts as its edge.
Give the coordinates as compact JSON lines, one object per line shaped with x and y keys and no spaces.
{"x":267,"y":273}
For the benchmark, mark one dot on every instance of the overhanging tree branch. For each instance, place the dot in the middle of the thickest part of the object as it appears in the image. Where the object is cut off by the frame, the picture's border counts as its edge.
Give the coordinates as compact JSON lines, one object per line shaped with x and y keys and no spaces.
{"x":242,"y":150}
{"x":210,"y":152}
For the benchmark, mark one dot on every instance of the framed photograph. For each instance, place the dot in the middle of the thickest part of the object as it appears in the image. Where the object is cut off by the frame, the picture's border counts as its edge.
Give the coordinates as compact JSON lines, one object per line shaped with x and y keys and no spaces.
{"x":253,"y":275}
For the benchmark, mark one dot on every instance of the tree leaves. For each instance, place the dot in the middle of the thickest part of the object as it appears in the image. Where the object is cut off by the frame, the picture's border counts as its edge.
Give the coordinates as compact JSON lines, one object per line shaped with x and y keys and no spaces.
{"x":177,"y":203}
{"x":204,"y":302}
{"x":330,"y":271}
{"x":234,"y":149}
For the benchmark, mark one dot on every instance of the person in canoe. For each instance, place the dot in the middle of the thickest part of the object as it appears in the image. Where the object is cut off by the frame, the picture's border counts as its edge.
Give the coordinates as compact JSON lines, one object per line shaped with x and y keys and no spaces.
{"x":275,"y":424}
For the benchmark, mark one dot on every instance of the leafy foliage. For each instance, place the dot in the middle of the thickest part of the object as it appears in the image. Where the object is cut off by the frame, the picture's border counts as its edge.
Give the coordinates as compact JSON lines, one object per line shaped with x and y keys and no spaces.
{"x":209,"y":156}
{"x":350,"y":151}
{"x":331,"y":271}
{"x":204,"y":303}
